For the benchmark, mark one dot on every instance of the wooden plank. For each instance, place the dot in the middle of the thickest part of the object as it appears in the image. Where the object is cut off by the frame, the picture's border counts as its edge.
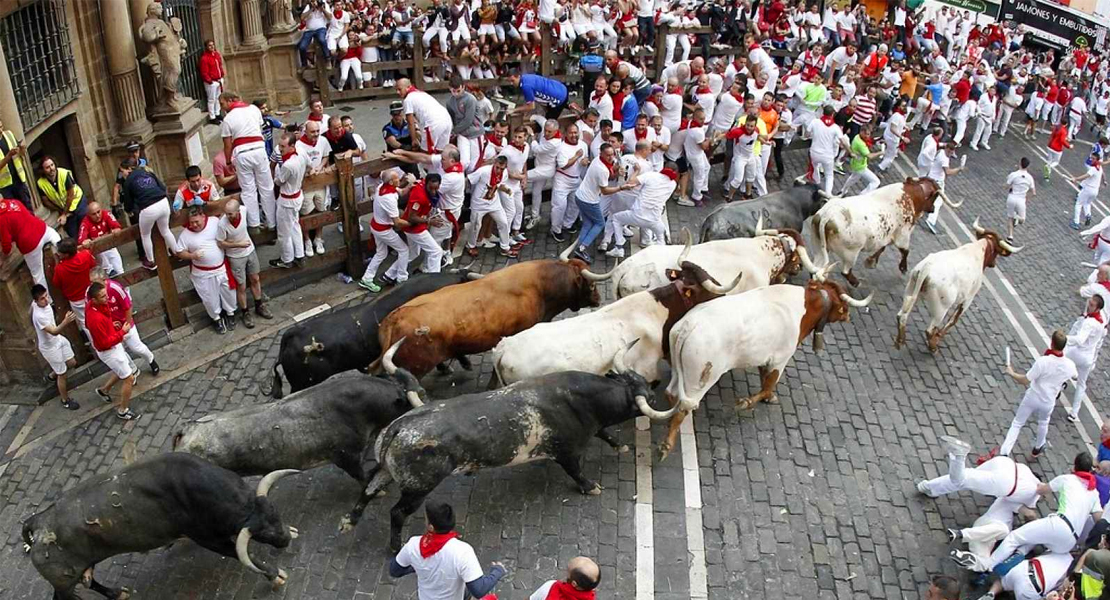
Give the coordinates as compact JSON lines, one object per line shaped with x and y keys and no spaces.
{"x":323,"y":81}
{"x":661,"y":33}
{"x":349,"y":208}
{"x":174,"y":312}
{"x":418,"y":58}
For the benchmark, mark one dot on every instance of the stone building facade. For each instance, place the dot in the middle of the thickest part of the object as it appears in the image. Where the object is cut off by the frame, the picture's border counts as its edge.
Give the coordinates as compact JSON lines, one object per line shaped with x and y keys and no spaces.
{"x":79,"y":93}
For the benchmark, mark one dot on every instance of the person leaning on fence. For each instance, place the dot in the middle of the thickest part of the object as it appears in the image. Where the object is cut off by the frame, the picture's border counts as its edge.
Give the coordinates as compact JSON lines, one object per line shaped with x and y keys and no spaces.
{"x":98,"y":223}
{"x":71,"y":276}
{"x":233,"y":239}
{"x":28,"y":233}
{"x":61,"y":194}
{"x":144,"y":197}
{"x":241,"y":131}
{"x":53,"y":346}
{"x":209,"y":270}
{"x":289,"y":175}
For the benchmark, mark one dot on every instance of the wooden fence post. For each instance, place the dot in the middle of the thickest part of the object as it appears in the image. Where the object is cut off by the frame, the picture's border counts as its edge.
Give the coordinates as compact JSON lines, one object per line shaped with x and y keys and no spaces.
{"x":348,"y":204}
{"x":661,"y":33}
{"x":545,"y":50}
{"x":323,"y":79}
{"x":418,"y":58}
{"x":175,"y":316}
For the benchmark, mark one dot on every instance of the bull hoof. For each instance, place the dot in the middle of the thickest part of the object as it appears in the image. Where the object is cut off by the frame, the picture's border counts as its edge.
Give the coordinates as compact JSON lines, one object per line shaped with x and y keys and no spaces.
{"x":293,"y":532}
{"x":346,"y":524}
{"x":124,"y":594}
{"x":594,"y":491}
{"x":744,"y":405}
{"x":664,"y":451}
{"x":26,"y":548}
{"x":852,"y":280}
{"x":902,"y":267}
{"x":870,"y":263}
{"x":773,"y":399}
{"x":624,"y":449}
{"x":444,"y":368}
{"x":277,"y":582}
{"x":898,"y":341}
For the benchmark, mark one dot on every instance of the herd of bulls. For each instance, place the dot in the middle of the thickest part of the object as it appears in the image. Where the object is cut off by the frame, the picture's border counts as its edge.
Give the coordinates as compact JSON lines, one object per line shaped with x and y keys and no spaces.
{"x":555,"y":384}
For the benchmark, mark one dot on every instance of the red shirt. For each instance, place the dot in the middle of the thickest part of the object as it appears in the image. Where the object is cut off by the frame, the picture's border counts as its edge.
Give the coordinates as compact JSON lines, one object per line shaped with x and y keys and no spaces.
{"x":963,"y":90}
{"x":211,"y":66}
{"x":1059,"y":139}
{"x":71,"y":275}
{"x":119,"y":301}
{"x":419,"y":205}
{"x":98,"y":322}
{"x":1063,"y":97}
{"x":1053,"y":92}
{"x":91,"y":231}
{"x":18,"y":225}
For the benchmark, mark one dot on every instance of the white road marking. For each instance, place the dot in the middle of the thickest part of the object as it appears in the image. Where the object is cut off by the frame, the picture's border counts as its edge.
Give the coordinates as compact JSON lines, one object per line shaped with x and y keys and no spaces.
{"x":312,"y":312}
{"x":645,"y":519}
{"x":695,"y":538}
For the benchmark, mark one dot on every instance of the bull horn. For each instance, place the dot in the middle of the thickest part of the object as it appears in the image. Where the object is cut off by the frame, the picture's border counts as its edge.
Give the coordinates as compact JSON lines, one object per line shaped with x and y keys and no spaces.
{"x":474,"y":276}
{"x":759,"y":230}
{"x":241,"y":550}
{"x":688,"y":243}
{"x":825,"y":195}
{"x":565,"y":256}
{"x":270,"y":479}
{"x":715,"y":288}
{"x":823,"y":274}
{"x":1007,"y":247}
{"x":857,"y":303}
{"x":949,"y":202}
{"x":387,"y":358}
{"x":977,"y":228}
{"x":653,"y":414}
{"x":590,"y":275}
{"x":618,"y":359}
{"x":803,"y":256}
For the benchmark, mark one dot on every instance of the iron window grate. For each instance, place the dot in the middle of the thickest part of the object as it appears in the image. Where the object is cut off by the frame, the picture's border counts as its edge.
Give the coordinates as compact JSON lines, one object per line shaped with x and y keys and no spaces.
{"x":40,"y":60}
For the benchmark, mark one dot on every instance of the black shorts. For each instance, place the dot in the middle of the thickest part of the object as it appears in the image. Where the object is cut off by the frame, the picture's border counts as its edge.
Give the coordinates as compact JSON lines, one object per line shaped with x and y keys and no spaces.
{"x":682,"y":164}
{"x":554,"y":112}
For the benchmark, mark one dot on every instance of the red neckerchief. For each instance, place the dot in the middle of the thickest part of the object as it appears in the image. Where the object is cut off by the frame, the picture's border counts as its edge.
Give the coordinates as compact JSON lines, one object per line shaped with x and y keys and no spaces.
{"x":1096,"y":316}
{"x":455,"y":168}
{"x":1057,"y":353}
{"x":520,"y":147}
{"x":236,"y":220}
{"x":828,"y":121}
{"x":739,"y":97}
{"x":558,"y":136}
{"x":493,"y":139}
{"x":412,"y":88}
{"x":495,"y":177}
{"x":638,"y":136}
{"x":704,"y":90}
{"x":1106,"y":443}
{"x":1105,"y":284}
{"x":598,"y":96}
{"x":655,"y":102}
{"x":611,"y":166}
{"x":565,"y":591}
{"x":386,"y":189}
{"x":430,"y":543}
{"x":675,"y":90}
{"x":754,"y":46}
{"x":304,"y":140}
{"x":1086,"y":478}
{"x":318,"y":119}
{"x":285,"y":157}
{"x":338,"y":14}
{"x":236,"y":104}
{"x":900,"y":110}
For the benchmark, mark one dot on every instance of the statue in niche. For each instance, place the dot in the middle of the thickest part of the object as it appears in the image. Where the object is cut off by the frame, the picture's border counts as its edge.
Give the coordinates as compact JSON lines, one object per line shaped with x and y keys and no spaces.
{"x":281,"y":16}
{"x":166,"y":49}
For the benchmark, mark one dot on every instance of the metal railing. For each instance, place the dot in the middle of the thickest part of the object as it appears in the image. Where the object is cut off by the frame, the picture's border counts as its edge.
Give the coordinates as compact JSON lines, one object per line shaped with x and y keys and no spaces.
{"x":189,"y":82}
{"x":40,"y":60}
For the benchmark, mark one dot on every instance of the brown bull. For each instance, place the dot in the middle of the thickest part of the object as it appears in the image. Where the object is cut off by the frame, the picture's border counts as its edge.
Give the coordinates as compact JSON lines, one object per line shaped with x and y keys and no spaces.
{"x":471,"y":318}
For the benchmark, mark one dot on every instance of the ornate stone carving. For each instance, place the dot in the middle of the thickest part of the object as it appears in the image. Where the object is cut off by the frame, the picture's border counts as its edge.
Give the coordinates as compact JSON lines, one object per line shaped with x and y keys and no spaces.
{"x":281,"y":16}
{"x":166,"y":49}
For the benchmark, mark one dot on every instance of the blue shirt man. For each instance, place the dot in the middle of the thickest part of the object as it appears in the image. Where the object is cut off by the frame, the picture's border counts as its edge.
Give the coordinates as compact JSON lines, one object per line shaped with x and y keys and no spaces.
{"x":540,"y":90}
{"x":630,"y":109}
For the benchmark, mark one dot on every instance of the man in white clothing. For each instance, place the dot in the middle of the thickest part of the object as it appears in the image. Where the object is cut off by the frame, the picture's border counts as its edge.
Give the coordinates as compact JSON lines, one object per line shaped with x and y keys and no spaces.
{"x":939,"y":172}
{"x":653,"y":190}
{"x":827,"y":140}
{"x":583,"y":576}
{"x":543,"y":150}
{"x":243,"y":142}
{"x":1100,"y":243}
{"x":571,"y":159}
{"x":429,"y":122}
{"x":209,"y":269}
{"x":1020,"y":183}
{"x":1084,"y":341}
{"x":893,"y":135}
{"x":985,"y":122}
{"x":452,"y":192}
{"x":1089,"y":185}
{"x":53,"y":346}
{"x":242,"y":260}
{"x":289,"y":175}
{"x":487,"y":184}
{"x":384,"y":224}
{"x":1045,"y":380}
{"x":315,"y":149}
{"x":517,"y":151}
{"x":1034,"y":578}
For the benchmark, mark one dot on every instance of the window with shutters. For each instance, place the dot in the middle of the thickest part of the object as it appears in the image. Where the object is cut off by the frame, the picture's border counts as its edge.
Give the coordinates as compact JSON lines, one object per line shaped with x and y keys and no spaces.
{"x":40,"y":59}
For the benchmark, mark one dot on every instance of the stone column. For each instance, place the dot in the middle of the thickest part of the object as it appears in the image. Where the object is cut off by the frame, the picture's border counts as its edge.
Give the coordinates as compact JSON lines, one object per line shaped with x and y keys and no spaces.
{"x":9,"y":108}
{"x":251,"y":14}
{"x":123,"y":68}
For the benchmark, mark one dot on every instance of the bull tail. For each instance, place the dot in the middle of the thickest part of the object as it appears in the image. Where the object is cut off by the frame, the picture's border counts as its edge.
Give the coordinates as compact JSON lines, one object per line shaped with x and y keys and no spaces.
{"x":495,"y":378}
{"x":677,"y":371}
{"x":913,"y":290}
{"x":276,"y":391}
{"x":819,"y":233}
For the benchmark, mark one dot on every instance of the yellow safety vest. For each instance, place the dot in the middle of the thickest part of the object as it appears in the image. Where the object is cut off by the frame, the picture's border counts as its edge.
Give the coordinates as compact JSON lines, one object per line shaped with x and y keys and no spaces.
{"x":57,"y":195}
{"x":6,"y":173}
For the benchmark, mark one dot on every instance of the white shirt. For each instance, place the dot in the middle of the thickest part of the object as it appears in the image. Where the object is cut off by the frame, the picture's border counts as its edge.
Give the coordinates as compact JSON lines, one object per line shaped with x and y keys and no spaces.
{"x":385,"y":206}
{"x":314,"y":19}
{"x":452,"y":186}
{"x":226,"y":232}
{"x":314,"y":155}
{"x":1047,"y":377}
{"x":829,"y":21}
{"x":289,"y":175}
{"x":928,"y":151}
{"x":205,"y":241}
{"x":630,"y":140}
{"x":655,"y":189}
{"x":243,"y":122}
{"x":760,"y":58}
{"x":725,"y":113}
{"x":518,"y":163}
{"x":543,"y":151}
{"x":336,"y":27}
{"x":604,"y":106}
{"x":596,"y":177}
{"x":646,"y":8}
{"x":839,"y":58}
{"x":1079,"y":106}
{"x":546,"y":10}
{"x":986,"y":107}
{"x":443,"y":575}
{"x":427,"y":111}
{"x":1074,"y":500}
{"x":938,"y":169}
{"x":707,"y":102}
{"x":899,"y":17}
{"x":826,"y":139}
{"x":663,"y":136}
{"x":43,"y":317}
{"x":672,"y":111}
{"x":563,"y":156}
{"x":695,"y":136}
{"x":481,"y":199}
{"x":1084,"y":343}
{"x":1093,"y":180}
{"x":895,"y":127}
{"x":1020,"y":182}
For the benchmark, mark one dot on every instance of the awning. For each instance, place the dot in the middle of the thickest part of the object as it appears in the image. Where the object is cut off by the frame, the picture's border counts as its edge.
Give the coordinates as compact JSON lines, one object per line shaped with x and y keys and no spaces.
{"x":1055,"y":25}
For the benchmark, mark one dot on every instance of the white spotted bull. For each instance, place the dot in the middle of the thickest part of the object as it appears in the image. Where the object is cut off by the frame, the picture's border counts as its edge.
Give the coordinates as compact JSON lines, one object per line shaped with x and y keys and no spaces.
{"x":772,"y":256}
{"x":551,"y":417}
{"x":870,"y":222}
{"x":761,"y":328}
{"x":145,"y":506}
{"x":588,"y":342}
{"x":950,"y":279}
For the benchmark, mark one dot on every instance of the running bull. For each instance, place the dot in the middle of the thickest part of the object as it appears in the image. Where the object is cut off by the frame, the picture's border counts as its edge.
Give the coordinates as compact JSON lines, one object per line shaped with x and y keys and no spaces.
{"x":950,"y":279}
{"x":588,"y":342}
{"x":786,"y":210}
{"x":347,"y":339}
{"x":472,"y":317}
{"x":870,"y":222}
{"x":551,"y":417}
{"x":333,"y":423}
{"x":761,"y":328}
{"x":145,"y":506}
{"x":771,"y":256}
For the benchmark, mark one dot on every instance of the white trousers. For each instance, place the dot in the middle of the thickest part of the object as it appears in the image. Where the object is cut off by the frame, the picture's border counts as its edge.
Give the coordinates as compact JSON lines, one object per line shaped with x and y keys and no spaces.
{"x":497,"y":213}
{"x":350,"y":66}
{"x":135,"y":345}
{"x":868,"y":178}
{"x":981,"y":537}
{"x":564,"y":210}
{"x":212,"y":287}
{"x":433,"y":254}
{"x":384,"y":240}
{"x":683,"y":41}
{"x":611,"y":205}
{"x":34,"y":257}
{"x":212,"y":90}
{"x":982,"y":135}
{"x":1051,"y":531}
{"x":513,"y":205}
{"x":1053,"y":158}
{"x":1083,"y":204}
{"x":443,"y":234}
{"x":1102,"y":252}
{"x":993,"y":478}
{"x":257,"y":184}
{"x":1041,"y":412}
{"x":699,"y":177}
{"x":78,"y":308}
{"x":742,"y":170}
{"x":1055,"y":568}
{"x":539,"y":179}
{"x":824,"y":166}
{"x":890,"y":152}
{"x":1084,"y":365}
{"x":469,"y":152}
{"x":630,"y":218}
{"x":110,"y":260}
{"x":433,"y":32}
{"x":961,"y":129}
{"x":1002,"y":125}
{"x":1075,"y":122}
{"x":764,"y":159}
{"x":290,"y":235}
{"x":156,"y":214}
{"x":937,"y":204}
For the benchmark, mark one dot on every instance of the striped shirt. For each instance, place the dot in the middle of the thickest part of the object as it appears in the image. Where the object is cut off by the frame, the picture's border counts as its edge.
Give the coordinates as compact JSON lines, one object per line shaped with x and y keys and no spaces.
{"x":865,"y":109}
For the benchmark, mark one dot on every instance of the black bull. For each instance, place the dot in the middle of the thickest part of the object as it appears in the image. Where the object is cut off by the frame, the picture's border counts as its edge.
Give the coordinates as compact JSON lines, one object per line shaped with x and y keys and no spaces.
{"x":550,"y":417}
{"x":787,"y":209}
{"x":148,"y":505}
{"x":347,"y":339}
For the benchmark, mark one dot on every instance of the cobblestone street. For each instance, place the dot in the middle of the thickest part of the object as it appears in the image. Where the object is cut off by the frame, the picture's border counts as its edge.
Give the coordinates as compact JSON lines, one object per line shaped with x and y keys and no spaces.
{"x":813,"y":497}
